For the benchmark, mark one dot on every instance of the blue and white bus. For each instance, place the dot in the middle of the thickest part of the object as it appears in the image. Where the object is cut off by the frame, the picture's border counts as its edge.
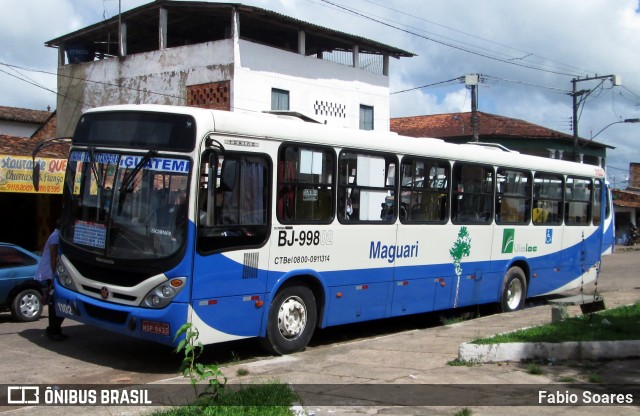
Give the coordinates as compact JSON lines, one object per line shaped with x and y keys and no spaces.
{"x":268,"y":226}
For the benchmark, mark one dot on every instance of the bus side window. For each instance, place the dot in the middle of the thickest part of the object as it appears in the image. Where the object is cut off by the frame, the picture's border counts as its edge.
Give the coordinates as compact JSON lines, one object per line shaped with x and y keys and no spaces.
{"x":513,"y":197}
{"x":234,"y":201}
{"x":472,"y":200}
{"x":367,"y":188}
{"x":306,"y":188}
{"x":424,"y":190}
{"x":547,"y":198}
{"x":578,"y":201}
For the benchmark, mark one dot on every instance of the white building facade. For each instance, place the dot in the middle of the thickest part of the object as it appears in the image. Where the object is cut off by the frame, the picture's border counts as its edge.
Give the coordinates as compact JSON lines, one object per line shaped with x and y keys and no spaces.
{"x":224,"y":56}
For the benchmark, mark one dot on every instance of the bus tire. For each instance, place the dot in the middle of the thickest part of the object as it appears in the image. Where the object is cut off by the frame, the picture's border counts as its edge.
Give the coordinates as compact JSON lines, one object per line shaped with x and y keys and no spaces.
{"x":292,"y":320}
{"x":514,"y":290}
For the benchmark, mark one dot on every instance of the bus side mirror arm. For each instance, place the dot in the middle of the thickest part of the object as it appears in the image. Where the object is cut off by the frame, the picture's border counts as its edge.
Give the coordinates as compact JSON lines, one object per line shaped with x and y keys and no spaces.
{"x":35,"y":174}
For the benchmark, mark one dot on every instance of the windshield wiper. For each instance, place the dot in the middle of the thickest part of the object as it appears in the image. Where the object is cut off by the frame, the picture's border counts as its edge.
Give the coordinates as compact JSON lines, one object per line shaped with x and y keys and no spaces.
{"x":126,"y":182}
{"x":94,"y":169}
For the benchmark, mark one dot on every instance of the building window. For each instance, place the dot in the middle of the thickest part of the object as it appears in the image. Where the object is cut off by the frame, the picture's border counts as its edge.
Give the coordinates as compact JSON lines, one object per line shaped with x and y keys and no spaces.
{"x":279,"y":99}
{"x":366,"y":117}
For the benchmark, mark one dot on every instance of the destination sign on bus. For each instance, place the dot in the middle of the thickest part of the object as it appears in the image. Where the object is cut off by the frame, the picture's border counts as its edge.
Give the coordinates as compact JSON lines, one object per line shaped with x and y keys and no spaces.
{"x":130,"y":161}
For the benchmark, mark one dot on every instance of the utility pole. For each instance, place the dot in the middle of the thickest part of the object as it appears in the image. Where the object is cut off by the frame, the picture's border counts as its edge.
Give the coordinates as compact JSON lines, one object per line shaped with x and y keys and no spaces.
{"x":615,"y":80}
{"x":471,"y":81}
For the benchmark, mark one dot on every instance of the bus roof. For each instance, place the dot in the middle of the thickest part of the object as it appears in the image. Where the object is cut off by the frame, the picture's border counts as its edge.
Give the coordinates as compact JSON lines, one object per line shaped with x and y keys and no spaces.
{"x":289,"y":128}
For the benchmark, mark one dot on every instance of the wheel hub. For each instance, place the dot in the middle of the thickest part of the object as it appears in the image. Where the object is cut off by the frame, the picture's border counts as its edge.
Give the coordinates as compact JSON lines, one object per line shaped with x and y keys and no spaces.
{"x":292,"y":317}
{"x":514,"y":294}
{"x":29,"y":305}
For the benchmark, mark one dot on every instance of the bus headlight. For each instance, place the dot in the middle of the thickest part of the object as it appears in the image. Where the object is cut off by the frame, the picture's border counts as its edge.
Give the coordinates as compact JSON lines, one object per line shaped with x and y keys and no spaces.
{"x":64,"y":278}
{"x":161,"y":295}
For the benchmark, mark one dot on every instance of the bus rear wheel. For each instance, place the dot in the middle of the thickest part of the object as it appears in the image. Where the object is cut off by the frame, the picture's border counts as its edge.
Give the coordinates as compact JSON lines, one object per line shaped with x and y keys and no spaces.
{"x":514,"y":290}
{"x":292,"y":320}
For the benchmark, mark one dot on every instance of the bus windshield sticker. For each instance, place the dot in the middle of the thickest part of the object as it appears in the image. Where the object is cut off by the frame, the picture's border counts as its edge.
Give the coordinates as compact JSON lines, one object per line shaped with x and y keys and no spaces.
{"x":90,"y":234}
{"x":130,"y":161}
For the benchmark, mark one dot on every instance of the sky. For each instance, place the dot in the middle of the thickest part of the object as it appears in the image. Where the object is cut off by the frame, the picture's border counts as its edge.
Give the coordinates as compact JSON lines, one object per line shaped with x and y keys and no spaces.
{"x":527,"y":53}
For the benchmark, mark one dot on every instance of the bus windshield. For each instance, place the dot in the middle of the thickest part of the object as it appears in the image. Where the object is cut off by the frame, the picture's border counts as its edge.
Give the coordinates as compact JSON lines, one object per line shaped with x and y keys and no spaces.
{"x":125,"y":206}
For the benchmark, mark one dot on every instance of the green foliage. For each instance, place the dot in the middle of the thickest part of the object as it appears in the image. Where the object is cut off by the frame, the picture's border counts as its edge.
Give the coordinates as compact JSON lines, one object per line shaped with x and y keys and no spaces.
{"x":533,"y":368}
{"x":611,"y":325}
{"x":198,"y":372}
{"x":458,"y":362}
{"x":463,"y":412}
{"x":595,"y":378}
{"x":461,"y":248}
{"x":273,"y":399}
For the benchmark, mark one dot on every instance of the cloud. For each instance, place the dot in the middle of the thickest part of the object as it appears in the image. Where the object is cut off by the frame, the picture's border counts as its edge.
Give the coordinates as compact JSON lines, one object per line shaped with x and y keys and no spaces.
{"x":522,"y":45}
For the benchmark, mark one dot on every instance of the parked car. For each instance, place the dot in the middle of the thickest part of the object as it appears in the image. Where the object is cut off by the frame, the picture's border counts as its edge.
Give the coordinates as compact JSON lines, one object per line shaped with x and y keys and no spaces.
{"x":19,"y":292}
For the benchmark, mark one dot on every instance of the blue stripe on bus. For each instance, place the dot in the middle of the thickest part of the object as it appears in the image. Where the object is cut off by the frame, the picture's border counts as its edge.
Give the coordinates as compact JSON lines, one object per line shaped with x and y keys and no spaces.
{"x":220,"y":294}
{"x":117,"y":318}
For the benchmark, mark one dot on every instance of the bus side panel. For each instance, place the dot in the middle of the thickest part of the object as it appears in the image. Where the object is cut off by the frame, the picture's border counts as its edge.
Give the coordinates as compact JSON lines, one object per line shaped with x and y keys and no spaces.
{"x":229,"y":317}
{"x":608,"y":223}
{"x":570,"y":263}
{"x":226,"y":289}
{"x":608,"y":239}
{"x":442,"y":287}
{"x":355,"y":303}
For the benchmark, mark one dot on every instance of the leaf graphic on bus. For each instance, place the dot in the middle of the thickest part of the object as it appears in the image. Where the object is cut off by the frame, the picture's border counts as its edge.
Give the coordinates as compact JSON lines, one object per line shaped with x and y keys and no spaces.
{"x":461,"y":248}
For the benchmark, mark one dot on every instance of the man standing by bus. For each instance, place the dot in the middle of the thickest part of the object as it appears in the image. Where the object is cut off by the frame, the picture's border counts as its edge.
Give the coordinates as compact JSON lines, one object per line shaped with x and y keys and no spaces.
{"x":45,"y":273}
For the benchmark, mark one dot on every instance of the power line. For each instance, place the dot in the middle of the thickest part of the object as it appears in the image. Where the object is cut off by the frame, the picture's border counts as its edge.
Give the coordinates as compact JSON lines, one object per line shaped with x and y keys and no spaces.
{"x":426,"y":86}
{"x":526,"y":83}
{"x":527,"y":53}
{"x":464,"y":49}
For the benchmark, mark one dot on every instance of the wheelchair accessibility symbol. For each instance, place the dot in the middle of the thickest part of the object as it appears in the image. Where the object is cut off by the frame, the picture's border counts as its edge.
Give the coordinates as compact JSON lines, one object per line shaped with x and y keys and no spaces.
{"x":549,"y":238}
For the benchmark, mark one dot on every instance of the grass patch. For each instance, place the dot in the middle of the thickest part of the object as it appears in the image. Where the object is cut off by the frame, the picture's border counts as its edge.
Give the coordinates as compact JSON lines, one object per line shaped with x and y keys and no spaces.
{"x":463,"y":363}
{"x":253,"y":400}
{"x":463,"y":412}
{"x":536,"y":369}
{"x":567,"y":379}
{"x":595,"y":378}
{"x":617,"y":324}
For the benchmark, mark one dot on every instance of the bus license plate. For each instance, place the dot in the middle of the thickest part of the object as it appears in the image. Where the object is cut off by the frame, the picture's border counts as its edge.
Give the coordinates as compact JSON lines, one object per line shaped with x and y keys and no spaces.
{"x":159,"y":328}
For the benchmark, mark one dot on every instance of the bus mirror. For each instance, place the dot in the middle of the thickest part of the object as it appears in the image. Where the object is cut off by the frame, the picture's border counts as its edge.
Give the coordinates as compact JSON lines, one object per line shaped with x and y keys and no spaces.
{"x":35,"y":176}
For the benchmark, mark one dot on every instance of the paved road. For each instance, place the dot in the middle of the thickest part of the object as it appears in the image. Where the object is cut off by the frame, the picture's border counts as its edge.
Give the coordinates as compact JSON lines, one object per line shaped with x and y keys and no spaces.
{"x":93,"y":356}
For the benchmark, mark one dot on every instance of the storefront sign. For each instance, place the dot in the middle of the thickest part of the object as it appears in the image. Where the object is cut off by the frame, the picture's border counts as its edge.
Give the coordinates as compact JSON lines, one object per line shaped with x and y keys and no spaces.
{"x":16,"y":174}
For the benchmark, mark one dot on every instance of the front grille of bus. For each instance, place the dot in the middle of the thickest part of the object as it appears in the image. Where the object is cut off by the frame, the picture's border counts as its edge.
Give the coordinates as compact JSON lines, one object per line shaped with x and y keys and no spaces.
{"x":115,"y":295}
{"x":103,"y":314}
{"x":125,"y":278}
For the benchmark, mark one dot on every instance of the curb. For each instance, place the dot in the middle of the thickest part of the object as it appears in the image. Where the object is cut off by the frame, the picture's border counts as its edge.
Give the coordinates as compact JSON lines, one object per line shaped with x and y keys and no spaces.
{"x":517,"y":351}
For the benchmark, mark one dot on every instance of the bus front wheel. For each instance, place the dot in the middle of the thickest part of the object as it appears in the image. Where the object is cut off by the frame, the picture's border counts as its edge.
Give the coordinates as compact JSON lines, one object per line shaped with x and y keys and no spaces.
{"x":514,"y":290}
{"x":292,"y":320}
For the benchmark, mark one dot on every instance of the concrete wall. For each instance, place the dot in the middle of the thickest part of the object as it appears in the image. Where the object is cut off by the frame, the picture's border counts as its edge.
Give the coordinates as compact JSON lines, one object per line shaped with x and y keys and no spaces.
{"x":157,"y":77}
{"x":18,"y":129}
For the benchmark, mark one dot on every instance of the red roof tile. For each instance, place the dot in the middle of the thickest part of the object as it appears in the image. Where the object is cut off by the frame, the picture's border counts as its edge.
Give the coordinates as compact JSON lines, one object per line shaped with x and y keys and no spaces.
{"x":23,"y":115}
{"x":23,"y":146}
{"x":458,"y":125}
